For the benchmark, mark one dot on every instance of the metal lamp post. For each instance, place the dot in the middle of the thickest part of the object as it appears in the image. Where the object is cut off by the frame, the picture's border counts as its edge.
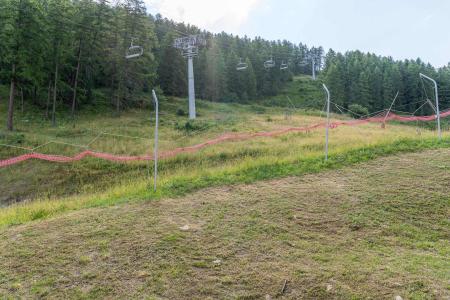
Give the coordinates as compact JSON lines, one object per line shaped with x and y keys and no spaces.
{"x":328,"y":121}
{"x":155,"y":150}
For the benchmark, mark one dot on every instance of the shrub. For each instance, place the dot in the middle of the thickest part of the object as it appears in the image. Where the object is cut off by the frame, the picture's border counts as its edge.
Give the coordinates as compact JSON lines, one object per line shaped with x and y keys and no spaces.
{"x":160,"y":94}
{"x":181,"y":112}
{"x":357,"y":111}
{"x":193,"y":125}
{"x":12,"y":138}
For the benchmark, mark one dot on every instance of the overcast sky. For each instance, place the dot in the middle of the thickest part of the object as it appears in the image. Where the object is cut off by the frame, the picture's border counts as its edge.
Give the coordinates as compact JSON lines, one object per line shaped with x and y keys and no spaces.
{"x":398,"y":28}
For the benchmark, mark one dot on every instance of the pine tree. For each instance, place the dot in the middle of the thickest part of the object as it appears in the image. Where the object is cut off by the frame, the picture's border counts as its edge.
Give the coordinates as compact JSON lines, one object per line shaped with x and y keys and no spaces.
{"x":215,"y":73}
{"x":250,"y":80}
{"x":21,"y":42}
{"x":60,"y":11}
{"x":335,"y":80}
{"x":376,"y":89}
{"x":84,"y":35}
{"x":364,"y":90}
{"x":391,"y":84}
{"x":234,"y":87}
{"x":172,"y":67}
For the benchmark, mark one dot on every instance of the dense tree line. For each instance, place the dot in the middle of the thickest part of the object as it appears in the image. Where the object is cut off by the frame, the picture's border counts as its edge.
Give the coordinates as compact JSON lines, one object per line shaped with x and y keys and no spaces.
{"x":373,"y":81}
{"x":56,"y":52}
{"x":63,"y":54}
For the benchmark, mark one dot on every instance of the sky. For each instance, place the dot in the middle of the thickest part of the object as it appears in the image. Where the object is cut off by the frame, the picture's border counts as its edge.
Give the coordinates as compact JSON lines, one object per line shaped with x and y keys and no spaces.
{"x":403,"y":29}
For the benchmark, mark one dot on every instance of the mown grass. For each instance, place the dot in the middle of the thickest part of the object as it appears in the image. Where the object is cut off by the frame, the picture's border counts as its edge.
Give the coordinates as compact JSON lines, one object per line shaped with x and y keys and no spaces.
{"x":372,"y":231}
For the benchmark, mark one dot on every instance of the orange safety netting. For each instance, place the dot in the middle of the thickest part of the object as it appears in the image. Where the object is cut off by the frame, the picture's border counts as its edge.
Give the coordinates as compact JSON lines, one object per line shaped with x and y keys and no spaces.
{"x":220,"y":139}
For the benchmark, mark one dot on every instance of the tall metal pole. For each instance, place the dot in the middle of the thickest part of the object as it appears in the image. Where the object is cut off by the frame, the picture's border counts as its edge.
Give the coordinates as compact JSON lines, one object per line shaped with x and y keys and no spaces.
{"x":155,"y":150}
{"x":189,"y":46}
{"x":192,"y":114}
{"x":438,"y":113}
{"x":328,"y":121}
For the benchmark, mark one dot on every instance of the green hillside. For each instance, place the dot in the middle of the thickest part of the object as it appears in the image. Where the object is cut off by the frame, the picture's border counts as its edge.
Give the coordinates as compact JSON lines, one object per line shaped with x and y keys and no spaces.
{"x":372,"y":231}
{"x":275,"y":168}
{"x":228,"y":221}
{"x":135,"y":127}
{"x":302,"y":92}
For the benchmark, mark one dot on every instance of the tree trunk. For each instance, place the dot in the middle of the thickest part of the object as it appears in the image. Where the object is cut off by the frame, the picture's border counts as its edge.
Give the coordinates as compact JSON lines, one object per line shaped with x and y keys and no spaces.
{"x":118,"y":95}
{"x":48,"y":98}
{"x":54,"y":96}
{"x":9,"y":123}
{"x":118,"y":101}
{"x":21,"y":100}
{"x":34,"y":94}
{"x":75,"y":84}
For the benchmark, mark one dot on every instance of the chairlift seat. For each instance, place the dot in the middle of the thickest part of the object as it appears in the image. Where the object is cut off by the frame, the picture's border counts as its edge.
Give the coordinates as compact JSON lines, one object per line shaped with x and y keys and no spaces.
{"x":241,"y":65}
{"x":303,"y":63}
{"x":269,"y":64}
{"x":134,"y":51}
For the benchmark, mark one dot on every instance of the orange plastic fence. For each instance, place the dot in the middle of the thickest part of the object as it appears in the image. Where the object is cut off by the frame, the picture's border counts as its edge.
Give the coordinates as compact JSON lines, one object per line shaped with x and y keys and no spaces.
{"x":220,"y":139}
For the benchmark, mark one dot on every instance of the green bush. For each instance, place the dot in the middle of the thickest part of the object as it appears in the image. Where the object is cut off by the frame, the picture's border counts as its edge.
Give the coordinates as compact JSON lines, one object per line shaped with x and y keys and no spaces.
{"x":12,"y":138}
{"x":357,"y":111}
{"x":193,"y":125}
{"x":181,"y":112}
{"x":160,"y":94}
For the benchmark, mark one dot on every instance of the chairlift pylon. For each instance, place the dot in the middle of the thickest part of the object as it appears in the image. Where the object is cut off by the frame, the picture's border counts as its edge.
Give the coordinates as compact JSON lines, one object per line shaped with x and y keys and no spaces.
{"x":134,"y":51}
{"x":241,"y":65}
{"x":269,"y":63}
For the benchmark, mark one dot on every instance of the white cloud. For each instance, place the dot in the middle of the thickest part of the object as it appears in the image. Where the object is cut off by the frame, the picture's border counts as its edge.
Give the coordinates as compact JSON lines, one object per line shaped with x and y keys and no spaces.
{"x":214,"y":15}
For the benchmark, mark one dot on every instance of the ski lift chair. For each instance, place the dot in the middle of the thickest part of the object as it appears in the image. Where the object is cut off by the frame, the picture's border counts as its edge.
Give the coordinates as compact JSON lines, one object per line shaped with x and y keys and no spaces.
{"x":283,"y":66}
{"x":134,"y":51}
{"x":241,"y":65}
{"x":269,"y":63}
{"x":303,"y":63}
